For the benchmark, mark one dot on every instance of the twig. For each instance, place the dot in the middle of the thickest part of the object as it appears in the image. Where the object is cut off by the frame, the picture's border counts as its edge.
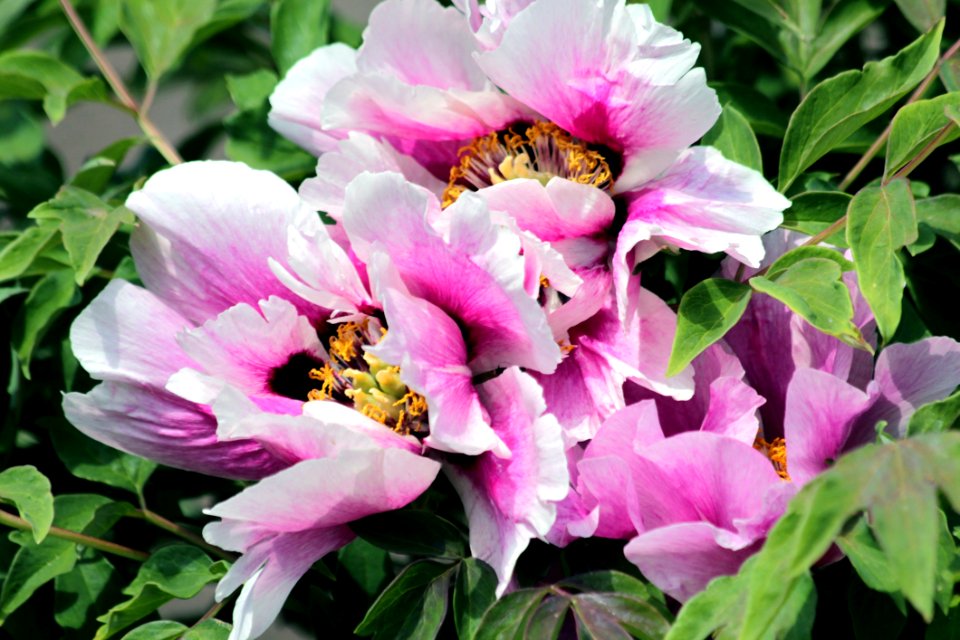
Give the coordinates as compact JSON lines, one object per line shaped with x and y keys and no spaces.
{"x":164,"y":146}
{"x":875,"y":147}
{"x":103,"y":545}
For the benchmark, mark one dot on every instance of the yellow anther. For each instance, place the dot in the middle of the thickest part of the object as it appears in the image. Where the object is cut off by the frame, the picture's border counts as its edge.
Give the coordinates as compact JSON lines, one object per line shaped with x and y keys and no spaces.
{"x":544,"y":282}
{"x":374,"y":412}
{"x":776,"y":451}
{"x":344,"y":345}
{"x":317,"y":394}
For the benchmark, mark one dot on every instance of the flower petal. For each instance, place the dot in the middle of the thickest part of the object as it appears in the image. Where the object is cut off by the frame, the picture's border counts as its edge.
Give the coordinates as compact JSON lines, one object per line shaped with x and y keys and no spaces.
{"x":160,"y":426}
{"x":207,"y":230}
{"x":297,"y":102}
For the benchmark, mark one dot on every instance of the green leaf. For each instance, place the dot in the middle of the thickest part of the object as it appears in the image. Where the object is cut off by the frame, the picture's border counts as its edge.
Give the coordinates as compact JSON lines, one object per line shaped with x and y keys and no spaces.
{"x":86,"y":223}
{"x":297,"y":27}
{"x":594,"y":621}
{"x":922,"y":14}
{"x":547,"y":621}
{"x":844,"y":20}
{"x":841,"y":105}
{"x":250,"y":91}
{"x":160,"y":32}
{"x":82,"y":592}
{"x":36,"y":564}
{"x":157,"y":630}
{"x":10,"y":10}
{"x":29,"y":491}
{"x":614,"y":582}
{"x":88,"y":459}
{"x":49,"y":296}
{"x":412,"y":606}
{"x":35,"y":75}
{"x":634,"y":615}
{"x":21,"y":134}
{"x":411,"y":532}
{"x":96,"y":172}
{"x":707,"y":311}
{"x":868,"y":558}
{"x":508,"y":617}
{"x":473,"y":593}
{"x":935,"y":417}
{"x":814,"y":211}
{"x":211,"y":629}
{"x":917,"y":126}
{"x":17,"y":256}
{"x":734,"y":138}
{"x":369,"y":566}
{"x":937,"y":217}
{"x":809,"y":281}
{"x":881,"y":220}
{"x":177,"y":571}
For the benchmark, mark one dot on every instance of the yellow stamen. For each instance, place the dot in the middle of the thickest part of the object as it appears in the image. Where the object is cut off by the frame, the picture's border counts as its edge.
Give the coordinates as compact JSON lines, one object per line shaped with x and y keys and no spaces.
{"x":544,"y":282}
{"x":776,"y":451}
{"x":539,"y":151}
{"x":344,"y":345}
{"x":374,"y":412}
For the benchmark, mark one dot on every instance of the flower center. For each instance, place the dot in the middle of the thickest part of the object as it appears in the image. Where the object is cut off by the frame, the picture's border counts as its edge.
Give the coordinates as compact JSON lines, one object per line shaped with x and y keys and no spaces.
{"x":776,"y":451}
{"x":539,"y":151}
{"x":370,"y":385}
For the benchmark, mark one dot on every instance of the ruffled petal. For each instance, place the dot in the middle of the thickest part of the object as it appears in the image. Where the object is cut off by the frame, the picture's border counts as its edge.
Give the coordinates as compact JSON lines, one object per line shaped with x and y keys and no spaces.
{"x":161,"y":426}
{"x":475,"y":274}
{"x":127,"y":334}
{"x":297,"y":102}
{"x":207,"y":230}
{"x":607,"y":76}
{"x":286,"y":522}
{"x":509,"y":501}
{"x":707,"y":203}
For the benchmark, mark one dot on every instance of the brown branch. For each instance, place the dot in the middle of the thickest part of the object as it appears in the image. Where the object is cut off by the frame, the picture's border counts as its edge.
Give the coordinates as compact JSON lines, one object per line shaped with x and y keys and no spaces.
{"x":157,"y":139}
{"x":64,"y":534}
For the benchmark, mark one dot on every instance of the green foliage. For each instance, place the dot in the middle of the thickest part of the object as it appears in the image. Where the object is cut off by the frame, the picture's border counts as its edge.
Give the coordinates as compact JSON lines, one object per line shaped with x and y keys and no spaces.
{"x":812,"y":212}
{"x":161,"y":31}
{"x":35,"y":75}
{"x":297,"y":27}
{"x":734,"y":138}
{"x":894,"y":483}
{"x":176,"y":571}
{"x":809,"y":281}
{"x":417,"y":533}
{"x":881,"y":220}
{"x":473,"y":594}
{"x":29,"y":491}
{"x":413,"y":605}
{"x":707,"y":311}
{"x":839,"y":106}
{"x":922,"y":14}
{"x":90,"y":460}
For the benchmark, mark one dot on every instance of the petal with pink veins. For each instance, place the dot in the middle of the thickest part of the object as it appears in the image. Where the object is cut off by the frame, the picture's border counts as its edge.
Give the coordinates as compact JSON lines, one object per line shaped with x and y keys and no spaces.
{"x":207,"y":230}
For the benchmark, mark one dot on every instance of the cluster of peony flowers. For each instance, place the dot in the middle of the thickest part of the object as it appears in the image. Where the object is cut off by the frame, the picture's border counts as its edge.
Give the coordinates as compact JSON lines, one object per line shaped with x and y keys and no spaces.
{"x":496,"y":176}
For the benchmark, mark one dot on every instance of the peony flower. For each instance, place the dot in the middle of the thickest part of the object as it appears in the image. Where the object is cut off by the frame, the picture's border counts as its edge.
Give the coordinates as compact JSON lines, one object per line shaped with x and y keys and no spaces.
{"x":347,"y":465}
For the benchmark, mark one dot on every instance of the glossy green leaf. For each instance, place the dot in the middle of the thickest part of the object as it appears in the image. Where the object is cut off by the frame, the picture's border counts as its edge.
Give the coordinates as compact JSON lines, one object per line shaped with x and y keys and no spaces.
{"x":21,"y":134}
{"x":47,"y":299}
{"x":707,"y":311}
{"x":814,"y":211}
{"x":595,"y":621}
{"x":160,"y":32}
{"x":10,"y":10}
{"x":412,"y":606}
{"x":86,"y":224}
{"x":881,"y":220}
{"x":418,"y":533}
{"x":508,"y":617}
{"x":841,"y":105}
{"x":368,"y":565}
{"x":843,"y":21}
{"x":734,"y":138}
{"x":29,"y":491}
{"x":36,"y":564}
{"x":614,"y":582}
{"x":809,"y":281}
{"x":918,"y":127}
{"x":473,"y":593}
{"x":297,"y":27}
{"x":922,"y":14}
{"x":936,"y":216}
{"x":88,"y":459}
{"x":35,"y":75}
{"x":211,"y":629}
{"x":177,"y":571}
{"x":17,"y":256}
